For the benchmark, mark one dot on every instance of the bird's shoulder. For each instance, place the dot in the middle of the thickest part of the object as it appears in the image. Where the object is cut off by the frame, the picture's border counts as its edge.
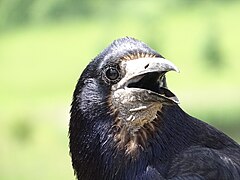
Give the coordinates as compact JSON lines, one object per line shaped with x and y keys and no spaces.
{"x":152,"y":173}
{"x":206,"y":162}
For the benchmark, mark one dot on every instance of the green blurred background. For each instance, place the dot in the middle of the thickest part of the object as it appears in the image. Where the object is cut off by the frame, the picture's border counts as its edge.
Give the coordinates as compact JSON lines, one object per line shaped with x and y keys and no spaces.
{"x":44,"y":46}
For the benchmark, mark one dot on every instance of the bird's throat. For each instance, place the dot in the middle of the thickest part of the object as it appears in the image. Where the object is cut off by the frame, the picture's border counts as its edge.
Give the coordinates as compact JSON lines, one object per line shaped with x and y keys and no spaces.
{"x":137,"y":118}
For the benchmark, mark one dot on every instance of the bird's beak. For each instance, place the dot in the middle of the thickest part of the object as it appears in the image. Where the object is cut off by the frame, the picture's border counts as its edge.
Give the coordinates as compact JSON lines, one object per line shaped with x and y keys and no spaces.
{"x":148,"y":74}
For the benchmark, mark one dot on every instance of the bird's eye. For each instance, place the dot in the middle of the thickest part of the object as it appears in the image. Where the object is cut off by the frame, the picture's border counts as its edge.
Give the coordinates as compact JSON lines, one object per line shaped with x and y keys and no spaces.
{"x":112,"y":74}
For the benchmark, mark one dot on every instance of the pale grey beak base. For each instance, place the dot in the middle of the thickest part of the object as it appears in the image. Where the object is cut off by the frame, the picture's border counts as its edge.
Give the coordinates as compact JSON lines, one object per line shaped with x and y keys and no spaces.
{"x":142,"y":66}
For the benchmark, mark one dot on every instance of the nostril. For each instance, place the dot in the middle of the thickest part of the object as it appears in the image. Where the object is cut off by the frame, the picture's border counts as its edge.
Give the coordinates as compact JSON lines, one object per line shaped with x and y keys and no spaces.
{"x":146,"y":66}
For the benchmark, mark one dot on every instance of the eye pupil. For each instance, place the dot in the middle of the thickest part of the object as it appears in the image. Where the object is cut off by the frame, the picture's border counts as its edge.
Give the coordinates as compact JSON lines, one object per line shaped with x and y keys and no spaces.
{"x":112,"y":74}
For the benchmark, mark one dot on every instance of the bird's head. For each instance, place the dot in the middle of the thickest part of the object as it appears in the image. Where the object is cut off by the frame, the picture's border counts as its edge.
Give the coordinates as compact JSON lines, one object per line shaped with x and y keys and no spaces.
{"x":120,"y":96}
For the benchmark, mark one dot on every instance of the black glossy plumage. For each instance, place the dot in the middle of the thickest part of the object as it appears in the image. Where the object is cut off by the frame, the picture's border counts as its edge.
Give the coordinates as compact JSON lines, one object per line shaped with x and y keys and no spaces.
{"x":181,"y":148}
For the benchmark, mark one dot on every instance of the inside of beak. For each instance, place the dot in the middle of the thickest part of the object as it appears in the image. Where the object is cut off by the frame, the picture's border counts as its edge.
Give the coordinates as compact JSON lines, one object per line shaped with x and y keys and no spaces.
{"x":155,"y":82}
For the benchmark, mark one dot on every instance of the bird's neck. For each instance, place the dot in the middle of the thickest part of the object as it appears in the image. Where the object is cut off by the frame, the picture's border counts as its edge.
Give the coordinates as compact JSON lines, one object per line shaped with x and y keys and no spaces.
{"x":102,"y":156}
{"x":148,"y":146}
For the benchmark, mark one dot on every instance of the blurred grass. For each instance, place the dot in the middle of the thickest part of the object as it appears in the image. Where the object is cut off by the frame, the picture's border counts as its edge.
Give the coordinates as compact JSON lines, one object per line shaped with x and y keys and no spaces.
{"x":41,"y":62}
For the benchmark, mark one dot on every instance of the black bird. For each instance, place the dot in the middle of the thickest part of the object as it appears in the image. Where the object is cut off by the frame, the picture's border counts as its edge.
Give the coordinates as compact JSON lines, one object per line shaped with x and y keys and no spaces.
{"x":126,"y":124}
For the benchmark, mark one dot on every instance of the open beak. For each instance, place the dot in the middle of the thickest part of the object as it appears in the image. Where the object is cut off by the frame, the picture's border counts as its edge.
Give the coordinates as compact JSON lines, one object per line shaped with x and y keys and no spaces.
{"x":148,"y":74}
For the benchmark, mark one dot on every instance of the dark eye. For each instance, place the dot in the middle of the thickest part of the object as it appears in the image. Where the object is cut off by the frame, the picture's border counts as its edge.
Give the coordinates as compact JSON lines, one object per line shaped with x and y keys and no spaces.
{"x":112,"y":73}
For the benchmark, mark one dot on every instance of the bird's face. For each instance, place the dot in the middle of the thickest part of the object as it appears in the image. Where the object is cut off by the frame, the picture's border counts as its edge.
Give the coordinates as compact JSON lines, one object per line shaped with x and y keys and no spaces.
{"x":134,"y":76}
{"x":141,"y":91}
